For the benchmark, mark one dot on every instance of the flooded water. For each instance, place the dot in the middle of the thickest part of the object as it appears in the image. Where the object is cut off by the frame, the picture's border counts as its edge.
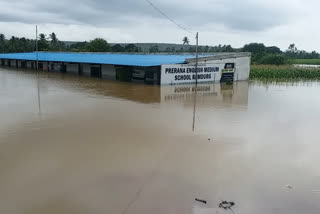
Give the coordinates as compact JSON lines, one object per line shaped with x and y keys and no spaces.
{"x":306,"y":66}
{"x":73,"y":145}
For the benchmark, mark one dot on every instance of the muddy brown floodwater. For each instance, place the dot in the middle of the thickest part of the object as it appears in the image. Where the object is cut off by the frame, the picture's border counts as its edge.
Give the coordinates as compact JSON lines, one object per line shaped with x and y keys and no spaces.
{"x":76,"y":145}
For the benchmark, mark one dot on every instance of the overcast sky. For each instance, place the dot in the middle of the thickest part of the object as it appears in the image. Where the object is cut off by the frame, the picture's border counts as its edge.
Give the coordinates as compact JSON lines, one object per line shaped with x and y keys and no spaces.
{"x":235,"y":22}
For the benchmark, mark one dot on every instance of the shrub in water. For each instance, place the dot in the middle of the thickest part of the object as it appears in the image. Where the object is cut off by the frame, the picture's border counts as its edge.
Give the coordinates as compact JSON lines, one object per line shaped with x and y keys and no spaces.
{"x":283,"y":72}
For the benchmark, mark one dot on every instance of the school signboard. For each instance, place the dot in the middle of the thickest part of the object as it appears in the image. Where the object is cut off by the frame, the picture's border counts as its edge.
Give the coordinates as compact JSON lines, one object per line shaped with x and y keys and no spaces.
{"x":186,"y":73}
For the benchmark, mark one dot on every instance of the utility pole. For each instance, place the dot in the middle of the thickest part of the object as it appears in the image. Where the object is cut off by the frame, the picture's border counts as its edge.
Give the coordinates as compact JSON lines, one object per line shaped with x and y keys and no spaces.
{"x":37,"y":67}
{"x":37,"y":55}
{"x":197,"y":43}
{"x":196,"y":88}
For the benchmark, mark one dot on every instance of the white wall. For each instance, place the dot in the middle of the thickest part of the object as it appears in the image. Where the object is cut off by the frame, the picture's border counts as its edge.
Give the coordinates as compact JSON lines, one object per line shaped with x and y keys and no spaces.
{"x":186,"y":73}
{"x":242,"y":66}
{"x":241,"y":71}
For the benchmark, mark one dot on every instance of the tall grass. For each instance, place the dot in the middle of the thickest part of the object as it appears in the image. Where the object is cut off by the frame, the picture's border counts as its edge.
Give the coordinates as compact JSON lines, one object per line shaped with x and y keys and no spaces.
{"x":283,"y":72}
{"x":305,"y":61}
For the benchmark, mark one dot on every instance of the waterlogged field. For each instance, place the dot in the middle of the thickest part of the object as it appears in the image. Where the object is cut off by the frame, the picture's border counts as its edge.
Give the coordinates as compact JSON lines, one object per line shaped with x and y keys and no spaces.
{"x":284,"y":72}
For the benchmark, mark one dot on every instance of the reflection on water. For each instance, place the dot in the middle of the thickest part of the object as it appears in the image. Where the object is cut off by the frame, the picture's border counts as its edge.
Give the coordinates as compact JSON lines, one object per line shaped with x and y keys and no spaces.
{"x":207,"y":94}
{"x":112,"y":147}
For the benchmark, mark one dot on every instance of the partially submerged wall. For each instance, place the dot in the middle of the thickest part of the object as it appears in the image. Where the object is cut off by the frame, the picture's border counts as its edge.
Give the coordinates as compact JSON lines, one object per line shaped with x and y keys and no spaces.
{"x":230,"y":67}
{"x":106,"y":71}
{"x":242,"y":66}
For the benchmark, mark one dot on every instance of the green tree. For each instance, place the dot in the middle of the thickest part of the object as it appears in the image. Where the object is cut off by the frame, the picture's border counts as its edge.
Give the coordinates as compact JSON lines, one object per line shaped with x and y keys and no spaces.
{"x":43,"y":44}
{"x":314,"y":55}
{"x":227,"y":48}
{"x":258,"y":51}
{"x":206,"y":49}
{"x":98,"y":45}
{"x":117,"y":48}
{"x":2,"y":42}
{"x":13,"y":45}
{"x":79,"y":47}
{"x":62,"y":46}
{"x":292,"y":48}
{"x":24,"y":45}
{"x":131,"y":48}
{"x":273,"y":50}
{"x":154,"y":49}
{"x":53,"y":37}
{"x":191,"y":49}
{"x":55,"y":44}
{"x":273,"y":59}
{"x":293,"y":52}
{"x":168,"y":50}
{"x":254,"y":48}
{"x":185,"y":41}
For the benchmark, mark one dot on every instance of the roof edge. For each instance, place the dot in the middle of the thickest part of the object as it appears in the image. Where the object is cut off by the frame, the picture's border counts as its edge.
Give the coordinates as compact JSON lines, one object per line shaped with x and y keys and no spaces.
{"x":220,"y":56}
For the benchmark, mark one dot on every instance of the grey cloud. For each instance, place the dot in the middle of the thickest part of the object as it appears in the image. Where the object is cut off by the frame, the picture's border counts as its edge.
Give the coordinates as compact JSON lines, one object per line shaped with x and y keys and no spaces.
{"x":238,"y":15}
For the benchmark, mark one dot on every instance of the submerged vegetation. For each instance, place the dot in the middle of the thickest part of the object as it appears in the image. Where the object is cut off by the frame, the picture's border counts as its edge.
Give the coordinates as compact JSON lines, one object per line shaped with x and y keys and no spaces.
{"x":283,"y":72}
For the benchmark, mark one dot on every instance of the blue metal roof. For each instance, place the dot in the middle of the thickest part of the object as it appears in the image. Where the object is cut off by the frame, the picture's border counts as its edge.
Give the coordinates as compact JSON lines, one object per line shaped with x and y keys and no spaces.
{"x":98,"y":58}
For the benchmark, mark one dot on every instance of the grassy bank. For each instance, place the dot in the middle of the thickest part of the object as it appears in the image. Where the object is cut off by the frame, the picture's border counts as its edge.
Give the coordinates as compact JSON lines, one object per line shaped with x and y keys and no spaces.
{"x":305,"y":61}
{"x":283,"y":72}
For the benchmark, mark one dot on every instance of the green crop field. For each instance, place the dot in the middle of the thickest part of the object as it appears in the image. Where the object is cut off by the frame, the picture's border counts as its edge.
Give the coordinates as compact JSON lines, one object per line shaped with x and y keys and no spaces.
{"x":305,"y":61}
{"x":284,"y":72}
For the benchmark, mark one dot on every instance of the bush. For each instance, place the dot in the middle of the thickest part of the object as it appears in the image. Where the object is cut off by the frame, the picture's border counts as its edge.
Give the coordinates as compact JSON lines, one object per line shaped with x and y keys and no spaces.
{"x":98,"y":45}
{"x":256,"y":58}
{"x":273,"y":59}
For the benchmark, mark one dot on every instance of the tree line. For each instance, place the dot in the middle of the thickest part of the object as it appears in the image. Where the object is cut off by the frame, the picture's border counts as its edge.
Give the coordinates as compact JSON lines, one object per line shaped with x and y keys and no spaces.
{"x":273,"y":55}
{"x":261,"y":54}
{"x":19,"y":45}
{"x":52,"y":43}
